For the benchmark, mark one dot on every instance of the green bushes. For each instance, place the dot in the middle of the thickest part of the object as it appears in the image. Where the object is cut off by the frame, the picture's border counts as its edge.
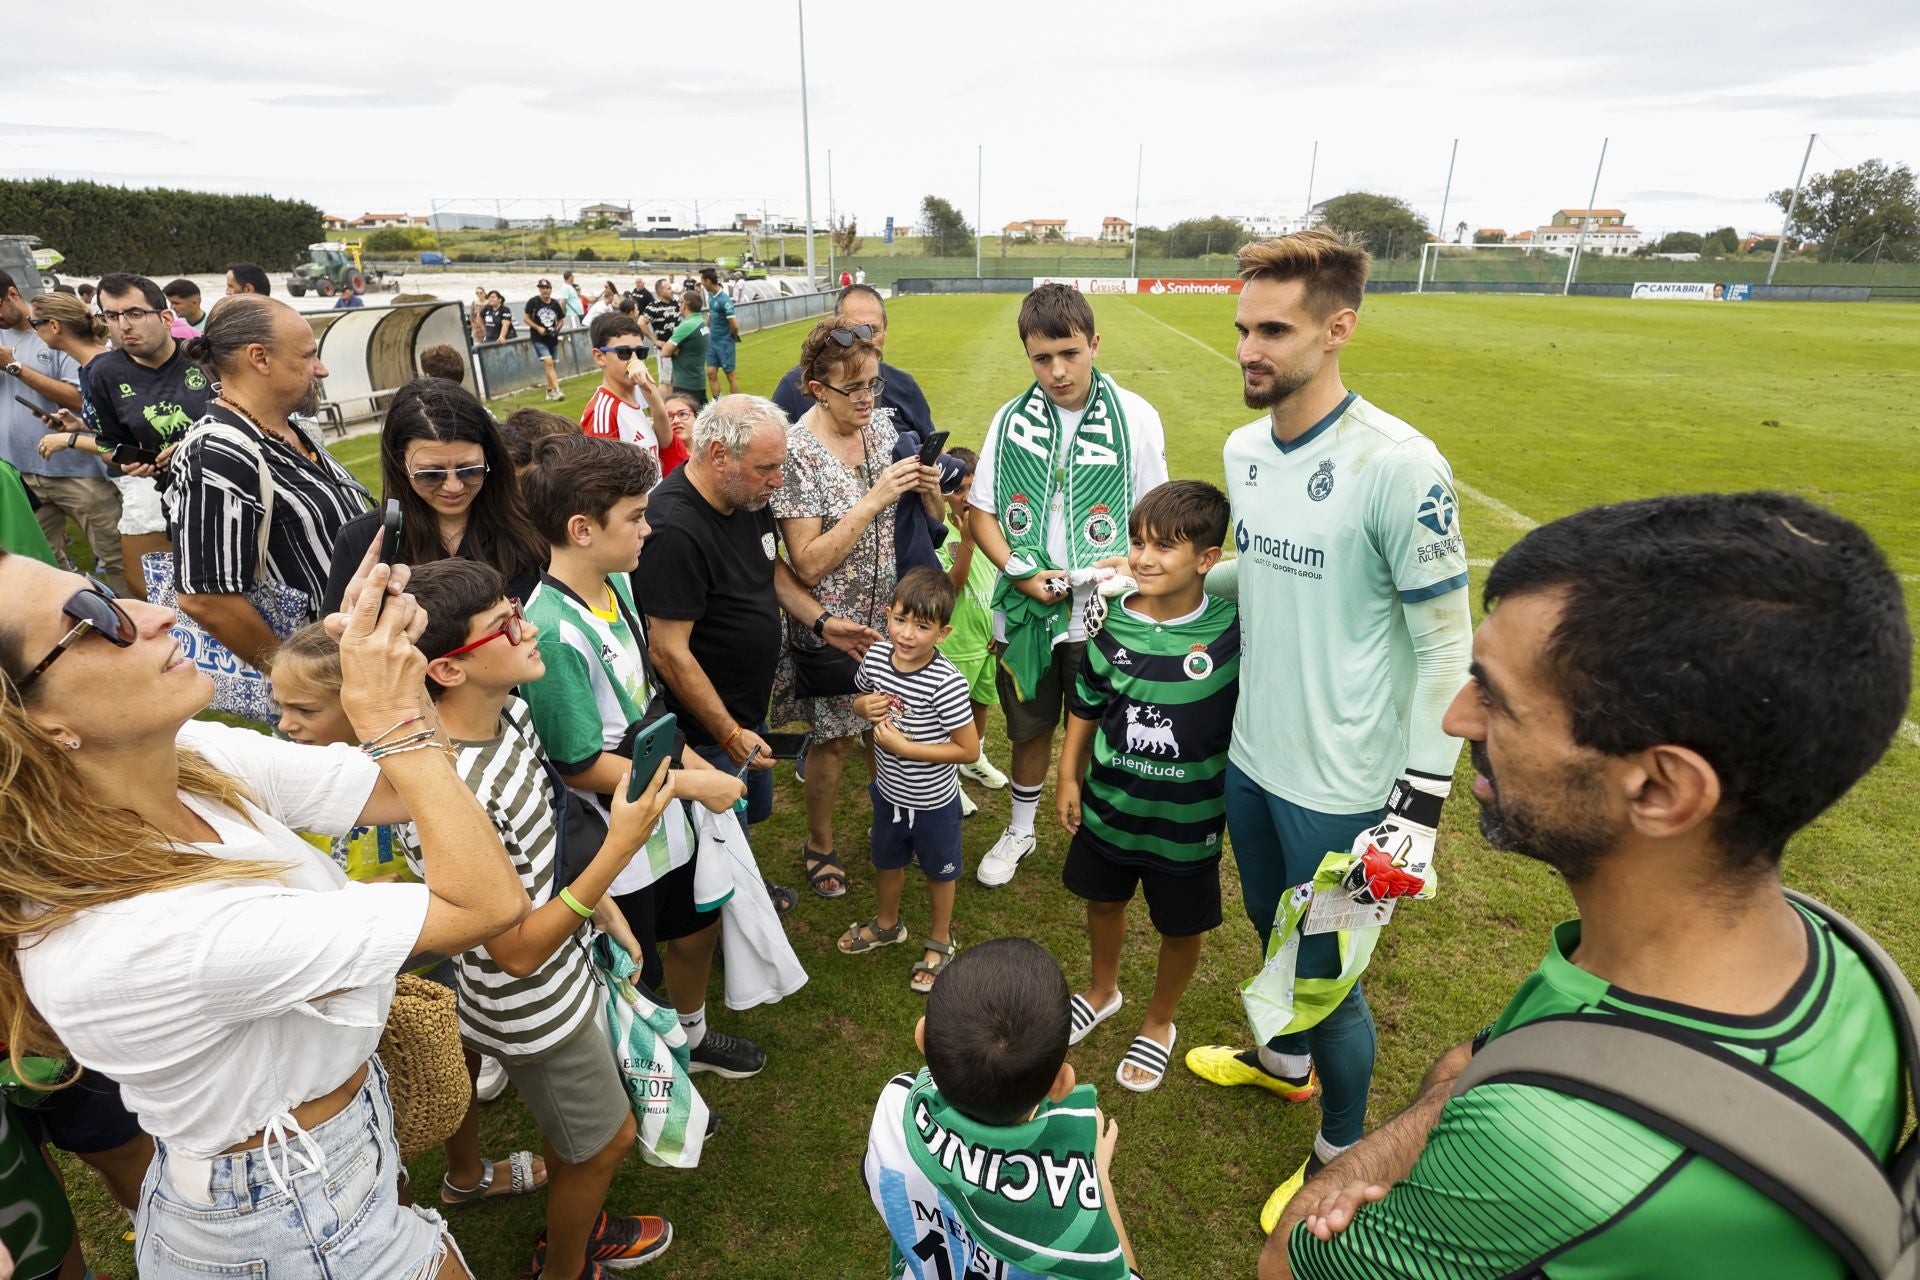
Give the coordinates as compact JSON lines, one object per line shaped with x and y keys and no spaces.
{"x":155,"y":230}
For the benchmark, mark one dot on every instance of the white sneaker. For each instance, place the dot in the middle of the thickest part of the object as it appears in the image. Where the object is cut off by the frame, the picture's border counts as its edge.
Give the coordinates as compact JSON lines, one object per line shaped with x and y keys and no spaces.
{"x":967,"y":807}
{"x":983,"y":772}
{"x":1004,"y":858}
{"x":493,"y":1079}
{"x":556,"y":395}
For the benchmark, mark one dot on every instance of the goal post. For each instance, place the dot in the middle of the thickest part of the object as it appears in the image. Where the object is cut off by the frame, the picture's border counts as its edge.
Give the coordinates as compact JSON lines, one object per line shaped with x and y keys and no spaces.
{"x":1512,"y":263}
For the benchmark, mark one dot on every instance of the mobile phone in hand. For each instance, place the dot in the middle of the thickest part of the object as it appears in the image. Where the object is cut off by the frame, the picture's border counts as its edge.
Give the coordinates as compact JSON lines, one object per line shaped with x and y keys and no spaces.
{"x":37,"y":412}
{"x":391,"y":526}
{"x":935,"y":445}
{"x":127,"y":454}
{"x":651,"y":745}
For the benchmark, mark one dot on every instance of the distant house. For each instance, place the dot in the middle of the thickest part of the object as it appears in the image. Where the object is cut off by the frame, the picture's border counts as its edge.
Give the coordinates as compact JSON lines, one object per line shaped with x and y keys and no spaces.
{"x":615,"y":214}
{"x":1520,"y":237}
{"x":1606,"y":233}
{"x":1592,"y":217}
{"x":1036,"y":229}
{"x":1116,"y":231}
{"x":1490,"y":235}
{"x":375,"y":221}
{"x":1265,"y":226}
{"x":333,"y":222}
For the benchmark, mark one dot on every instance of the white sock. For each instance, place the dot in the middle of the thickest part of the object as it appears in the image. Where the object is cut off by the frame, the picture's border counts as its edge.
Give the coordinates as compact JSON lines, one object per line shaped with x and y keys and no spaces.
{"x":1294,"y":1066}
{"x":1327,"y":1152}
{"x":1026,"y":803}
{"x":695,"y":1025}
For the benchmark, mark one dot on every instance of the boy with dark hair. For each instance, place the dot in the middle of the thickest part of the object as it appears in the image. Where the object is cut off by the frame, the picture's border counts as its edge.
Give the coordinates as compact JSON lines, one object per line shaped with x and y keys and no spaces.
{"x":1062,"y":465}
{"x":1153,"y":714}
{"x":922,"y":728}
{"x":526,"y":427}
{"x":588,"y":498}
{"x":441,"y":361}
{"x":528,"y":996}
{"x":626,"y":406}
{"x":991,"y":1161}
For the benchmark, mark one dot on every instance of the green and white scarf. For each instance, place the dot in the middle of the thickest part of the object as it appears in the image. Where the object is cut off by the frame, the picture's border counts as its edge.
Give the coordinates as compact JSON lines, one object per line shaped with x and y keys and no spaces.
{"x":1029,"y":1194}
{"x":1094,"y":469}
{"x":650,"y":1048}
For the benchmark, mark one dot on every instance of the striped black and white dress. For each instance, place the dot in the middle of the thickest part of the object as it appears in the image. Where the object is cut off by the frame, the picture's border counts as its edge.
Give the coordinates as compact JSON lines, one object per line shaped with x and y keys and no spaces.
{"x":929,"y":706}
{"x":214,"y":511}
{"x":500,"y":1014}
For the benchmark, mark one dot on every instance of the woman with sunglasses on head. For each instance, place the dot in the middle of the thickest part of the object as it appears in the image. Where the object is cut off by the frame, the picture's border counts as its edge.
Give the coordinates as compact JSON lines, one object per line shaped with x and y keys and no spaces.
{"x":841,"y":481}
{"x":443,"y":457}
{"x":165,"y":927}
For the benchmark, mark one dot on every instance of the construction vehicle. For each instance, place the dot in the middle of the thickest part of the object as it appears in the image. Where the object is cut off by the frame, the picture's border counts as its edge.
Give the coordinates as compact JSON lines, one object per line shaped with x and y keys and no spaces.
{"x":333,"y":265}
{"x":30,"y":266}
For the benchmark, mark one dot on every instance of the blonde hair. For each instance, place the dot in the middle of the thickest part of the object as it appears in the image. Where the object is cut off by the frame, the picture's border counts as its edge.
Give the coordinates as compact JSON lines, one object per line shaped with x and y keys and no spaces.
{"x":63,"y":853}
{"x":72,"y":314}
{"x":1333,"y":264}
{"x":312,"y":645}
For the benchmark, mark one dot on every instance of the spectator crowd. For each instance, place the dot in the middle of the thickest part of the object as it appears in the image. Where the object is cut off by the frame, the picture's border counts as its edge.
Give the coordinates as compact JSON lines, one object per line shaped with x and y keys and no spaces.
{"x":485,"y":806}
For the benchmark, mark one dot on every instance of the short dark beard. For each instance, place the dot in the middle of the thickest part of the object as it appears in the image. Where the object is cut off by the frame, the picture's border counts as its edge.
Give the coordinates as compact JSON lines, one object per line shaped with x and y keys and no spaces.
{"x":1572,"y":839}
{"x":1278,"y":388}
{"x":309,"y":405}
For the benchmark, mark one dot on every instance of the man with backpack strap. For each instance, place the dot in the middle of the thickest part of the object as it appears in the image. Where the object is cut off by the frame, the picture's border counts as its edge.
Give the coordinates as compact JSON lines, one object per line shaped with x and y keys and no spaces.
{"x":1663,"y":692}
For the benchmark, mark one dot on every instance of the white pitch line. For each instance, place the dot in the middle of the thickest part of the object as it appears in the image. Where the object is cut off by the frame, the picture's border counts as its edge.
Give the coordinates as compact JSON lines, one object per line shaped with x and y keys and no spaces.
{"x":1911,"y":732}
{"x":1205,"y":346}
{"x":1496,"y":506}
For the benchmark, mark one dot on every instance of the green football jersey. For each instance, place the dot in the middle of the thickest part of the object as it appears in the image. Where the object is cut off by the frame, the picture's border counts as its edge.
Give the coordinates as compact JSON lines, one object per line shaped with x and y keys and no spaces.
{"x":1164,"y":693}
{"x":1523,"y":1181}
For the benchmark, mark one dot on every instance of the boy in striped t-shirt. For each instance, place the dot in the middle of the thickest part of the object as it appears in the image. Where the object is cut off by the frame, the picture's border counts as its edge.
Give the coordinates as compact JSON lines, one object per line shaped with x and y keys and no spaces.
{"x":1153,"y":708}
{"x":922,"y":730}
{"x":528,"y":996}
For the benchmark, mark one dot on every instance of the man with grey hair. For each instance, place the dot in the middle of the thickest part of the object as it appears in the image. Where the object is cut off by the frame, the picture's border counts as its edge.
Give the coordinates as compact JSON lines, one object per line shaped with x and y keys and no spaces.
{"x":711,"y":584}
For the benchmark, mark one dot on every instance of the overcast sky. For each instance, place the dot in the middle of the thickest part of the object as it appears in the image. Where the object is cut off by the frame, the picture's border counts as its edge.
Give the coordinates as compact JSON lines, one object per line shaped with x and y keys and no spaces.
{"x":1707,"y":105}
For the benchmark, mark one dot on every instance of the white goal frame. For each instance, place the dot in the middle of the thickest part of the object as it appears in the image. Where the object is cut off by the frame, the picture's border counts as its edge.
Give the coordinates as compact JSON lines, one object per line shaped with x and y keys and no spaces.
{"x":1429,"y":254}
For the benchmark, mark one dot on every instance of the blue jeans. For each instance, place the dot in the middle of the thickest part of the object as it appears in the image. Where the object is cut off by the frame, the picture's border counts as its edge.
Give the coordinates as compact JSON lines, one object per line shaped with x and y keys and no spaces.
{"x":339,"y":1218}
{"x":1278,"y":844}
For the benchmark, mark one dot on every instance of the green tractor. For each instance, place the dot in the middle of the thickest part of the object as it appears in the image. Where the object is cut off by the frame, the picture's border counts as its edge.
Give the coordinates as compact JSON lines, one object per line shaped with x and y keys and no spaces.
{"x":331,"y":265}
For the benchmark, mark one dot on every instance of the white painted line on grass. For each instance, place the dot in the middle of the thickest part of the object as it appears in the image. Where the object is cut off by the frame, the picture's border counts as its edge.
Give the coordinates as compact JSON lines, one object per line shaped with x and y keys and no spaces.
{"x":1496,"y":506}
{"x":1204,"y":345}
{"x":1911,"y":732}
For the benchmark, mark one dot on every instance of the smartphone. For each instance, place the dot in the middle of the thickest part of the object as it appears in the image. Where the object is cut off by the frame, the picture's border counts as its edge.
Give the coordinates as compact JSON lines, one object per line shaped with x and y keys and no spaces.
{"x":390,"y":528}
{"x":37,"y":412}
{"x":125,"y":454}
{"x":787,"y":746}
{"x":935,"y":445}
{"x":651,"y":745}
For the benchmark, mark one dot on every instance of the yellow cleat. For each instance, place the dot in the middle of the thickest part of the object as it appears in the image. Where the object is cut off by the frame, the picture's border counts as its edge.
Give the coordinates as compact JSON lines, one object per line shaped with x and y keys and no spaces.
{"x":1282,"y":1196}
{"x":1224,"y":1065}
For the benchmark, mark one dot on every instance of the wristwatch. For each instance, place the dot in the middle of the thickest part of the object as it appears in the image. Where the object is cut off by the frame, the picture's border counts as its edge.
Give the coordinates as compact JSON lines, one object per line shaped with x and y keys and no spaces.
{"x":14,"y":368}
{"x":820,"y":623}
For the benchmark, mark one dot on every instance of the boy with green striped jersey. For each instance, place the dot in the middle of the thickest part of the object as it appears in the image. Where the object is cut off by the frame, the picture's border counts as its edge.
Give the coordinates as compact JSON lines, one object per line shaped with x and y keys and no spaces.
{"x":1153,"y":707}
{"x":1663,"y":693}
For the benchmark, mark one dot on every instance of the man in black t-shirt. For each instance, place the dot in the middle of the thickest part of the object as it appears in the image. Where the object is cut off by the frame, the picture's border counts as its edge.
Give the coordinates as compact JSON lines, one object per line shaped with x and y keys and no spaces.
{"x":662,"y":310}
{"x":712,"y":585}
{"x":545,"y":315}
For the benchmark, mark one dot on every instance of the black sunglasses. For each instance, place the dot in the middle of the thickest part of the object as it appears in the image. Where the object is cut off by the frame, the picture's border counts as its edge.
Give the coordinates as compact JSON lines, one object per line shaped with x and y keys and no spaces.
{"x":34,"y":322}
{"x":847,"y":337}
{"x":623,"y":354}
{"x":92,"y":608}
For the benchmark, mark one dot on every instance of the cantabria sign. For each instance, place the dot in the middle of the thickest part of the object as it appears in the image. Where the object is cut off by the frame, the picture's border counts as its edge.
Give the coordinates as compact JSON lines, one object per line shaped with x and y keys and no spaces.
{"x":1693,"y":290}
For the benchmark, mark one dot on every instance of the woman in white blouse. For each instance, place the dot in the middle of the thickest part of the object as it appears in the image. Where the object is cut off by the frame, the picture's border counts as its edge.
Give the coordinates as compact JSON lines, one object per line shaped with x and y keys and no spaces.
{"x":160,"y":922}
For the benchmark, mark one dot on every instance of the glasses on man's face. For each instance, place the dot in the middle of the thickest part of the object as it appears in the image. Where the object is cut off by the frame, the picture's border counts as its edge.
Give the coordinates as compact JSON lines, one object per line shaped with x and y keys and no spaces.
{"x":511,"y":629}
{"x":132,"y":315}
{"x":847,"y":337}
{"x":622,"y":354}
{"x":868,"y":392}
{"x":437,"y":477}
{"x":92,"y":608}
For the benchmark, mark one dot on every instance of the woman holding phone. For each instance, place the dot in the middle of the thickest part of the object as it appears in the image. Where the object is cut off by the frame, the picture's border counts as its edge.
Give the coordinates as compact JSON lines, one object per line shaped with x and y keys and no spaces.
{"x":170,"y":930}
{"x":841,"y":485}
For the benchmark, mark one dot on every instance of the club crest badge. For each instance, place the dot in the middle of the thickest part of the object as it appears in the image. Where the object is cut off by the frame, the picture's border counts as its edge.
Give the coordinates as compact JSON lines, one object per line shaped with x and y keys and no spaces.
{"x":1198,"y":664}
{"x":1320,"y":483}
{"x":1101,"y":528}
{"x":196,"y":380}
{"x":766,"y":544}
{"x":1019,"y":516}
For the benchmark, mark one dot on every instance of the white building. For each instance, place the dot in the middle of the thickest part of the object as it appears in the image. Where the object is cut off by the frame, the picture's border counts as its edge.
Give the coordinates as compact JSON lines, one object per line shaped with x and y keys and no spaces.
{"x":1607,"y":232}
{"x":1265,"y":226}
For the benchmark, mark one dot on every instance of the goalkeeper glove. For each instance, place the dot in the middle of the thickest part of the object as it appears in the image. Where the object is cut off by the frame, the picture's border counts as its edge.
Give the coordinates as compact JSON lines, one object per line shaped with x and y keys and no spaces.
{"x":1395,"y":858}
{"x":1109,"y":585}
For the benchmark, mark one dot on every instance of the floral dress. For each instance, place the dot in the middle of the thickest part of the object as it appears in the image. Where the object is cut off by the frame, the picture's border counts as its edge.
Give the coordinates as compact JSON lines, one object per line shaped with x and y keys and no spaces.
{"x":820,"y":486}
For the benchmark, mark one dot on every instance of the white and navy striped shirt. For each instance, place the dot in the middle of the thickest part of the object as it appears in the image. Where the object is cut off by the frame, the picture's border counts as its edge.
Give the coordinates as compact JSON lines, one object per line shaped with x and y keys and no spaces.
{"x":500,"y":1014}
{"x":214,"y":510}
{"x":930,"y":705}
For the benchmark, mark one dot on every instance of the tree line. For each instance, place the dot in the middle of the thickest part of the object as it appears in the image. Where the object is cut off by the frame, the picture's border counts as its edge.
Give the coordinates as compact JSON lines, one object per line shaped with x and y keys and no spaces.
{"x":155,"y":230}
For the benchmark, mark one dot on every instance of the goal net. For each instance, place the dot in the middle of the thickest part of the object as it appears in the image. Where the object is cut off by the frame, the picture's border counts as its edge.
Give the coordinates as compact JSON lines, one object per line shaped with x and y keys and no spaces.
{"x":1491,"y":263}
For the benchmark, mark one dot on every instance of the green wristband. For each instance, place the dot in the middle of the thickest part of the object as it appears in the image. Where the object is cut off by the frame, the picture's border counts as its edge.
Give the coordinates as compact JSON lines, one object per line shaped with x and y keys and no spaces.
{"x":574,"y":903}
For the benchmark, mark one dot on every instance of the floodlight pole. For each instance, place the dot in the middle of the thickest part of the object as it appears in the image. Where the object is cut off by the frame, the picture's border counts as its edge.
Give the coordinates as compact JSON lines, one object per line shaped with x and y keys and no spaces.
{"x":1313,"y":166}
{"x":1139,"y":162}
{"x":1792,"y":204}
{"x":806,"y":140}
{"x":833,"y":277}
{"x":1446,"y":195}
{"x":1579,"y":241}
{"x":979,"y":185}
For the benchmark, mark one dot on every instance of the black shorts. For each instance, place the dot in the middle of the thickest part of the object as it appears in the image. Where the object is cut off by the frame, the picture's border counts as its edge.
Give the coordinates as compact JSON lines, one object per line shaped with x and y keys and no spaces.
{"x":664,"y":910}
{"x":1041,"y":714}
{"x":85,"y":1118}
{"x":1180,"y":905}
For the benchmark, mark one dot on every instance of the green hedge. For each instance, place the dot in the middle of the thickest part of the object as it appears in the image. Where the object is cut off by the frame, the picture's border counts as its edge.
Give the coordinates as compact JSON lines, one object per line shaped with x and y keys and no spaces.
{"x":157,"y":230}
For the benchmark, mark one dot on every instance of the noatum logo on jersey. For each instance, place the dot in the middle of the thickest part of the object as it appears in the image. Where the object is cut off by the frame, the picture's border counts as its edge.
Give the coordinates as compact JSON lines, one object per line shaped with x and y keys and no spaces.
{"x":1283,"y":554}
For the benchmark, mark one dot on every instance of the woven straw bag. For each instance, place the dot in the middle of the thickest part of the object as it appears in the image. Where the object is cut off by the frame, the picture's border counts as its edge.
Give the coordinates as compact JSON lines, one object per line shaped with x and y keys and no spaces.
{"x":426,"y":1072}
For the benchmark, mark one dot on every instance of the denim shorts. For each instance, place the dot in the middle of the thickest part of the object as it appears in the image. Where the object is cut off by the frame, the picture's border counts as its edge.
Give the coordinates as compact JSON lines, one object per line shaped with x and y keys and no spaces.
{"x":338,"y":1218}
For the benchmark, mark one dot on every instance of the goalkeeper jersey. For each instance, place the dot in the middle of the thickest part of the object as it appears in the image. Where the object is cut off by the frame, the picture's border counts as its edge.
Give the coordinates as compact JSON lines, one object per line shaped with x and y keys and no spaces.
{"x":1334,"y":533}
{"x":1519,"y":1181}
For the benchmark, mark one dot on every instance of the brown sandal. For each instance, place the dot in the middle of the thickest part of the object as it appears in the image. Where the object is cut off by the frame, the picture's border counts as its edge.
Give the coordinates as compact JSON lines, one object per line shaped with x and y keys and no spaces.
{"x":930,"y":969}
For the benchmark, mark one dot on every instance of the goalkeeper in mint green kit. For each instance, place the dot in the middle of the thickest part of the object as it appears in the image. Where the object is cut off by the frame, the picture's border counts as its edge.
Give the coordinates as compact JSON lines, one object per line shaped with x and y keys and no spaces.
{"x":1355,"y":632}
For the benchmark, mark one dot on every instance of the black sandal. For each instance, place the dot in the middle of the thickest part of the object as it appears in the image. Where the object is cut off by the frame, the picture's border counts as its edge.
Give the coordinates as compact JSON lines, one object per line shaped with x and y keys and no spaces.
{"x":781,"y":896}
{"x":821,"y":867}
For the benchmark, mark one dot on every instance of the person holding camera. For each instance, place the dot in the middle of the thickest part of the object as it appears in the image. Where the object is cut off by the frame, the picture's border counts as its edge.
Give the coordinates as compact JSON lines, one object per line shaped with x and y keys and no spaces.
{"x":173,"y":933}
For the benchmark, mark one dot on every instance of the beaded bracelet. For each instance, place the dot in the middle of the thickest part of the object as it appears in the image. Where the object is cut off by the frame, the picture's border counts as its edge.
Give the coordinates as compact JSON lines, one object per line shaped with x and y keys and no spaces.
{"x":384,"y":752}
{"x":412,"y":739}
{"x":398,"y":724}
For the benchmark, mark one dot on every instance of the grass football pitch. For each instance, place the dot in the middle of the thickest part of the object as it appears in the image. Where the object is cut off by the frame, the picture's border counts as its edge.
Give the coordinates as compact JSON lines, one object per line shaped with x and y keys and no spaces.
{"x":1543,"y":406}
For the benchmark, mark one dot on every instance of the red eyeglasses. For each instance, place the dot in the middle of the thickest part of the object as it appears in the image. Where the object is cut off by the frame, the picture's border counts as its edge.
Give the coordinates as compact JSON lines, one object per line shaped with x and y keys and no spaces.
{"x":511,"y":629}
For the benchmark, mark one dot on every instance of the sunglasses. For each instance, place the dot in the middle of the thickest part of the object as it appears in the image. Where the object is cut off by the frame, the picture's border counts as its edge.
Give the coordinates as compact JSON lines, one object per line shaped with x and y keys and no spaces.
{"x":622,"y":354}
{"x":92,"y":608}
{"x":135,"y":315}
{"x":435,"y":477}
{"x":871,"y":391}
{"x":34,"y":322}
{"x":847,"y":337}
{"x":511,"y":629}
